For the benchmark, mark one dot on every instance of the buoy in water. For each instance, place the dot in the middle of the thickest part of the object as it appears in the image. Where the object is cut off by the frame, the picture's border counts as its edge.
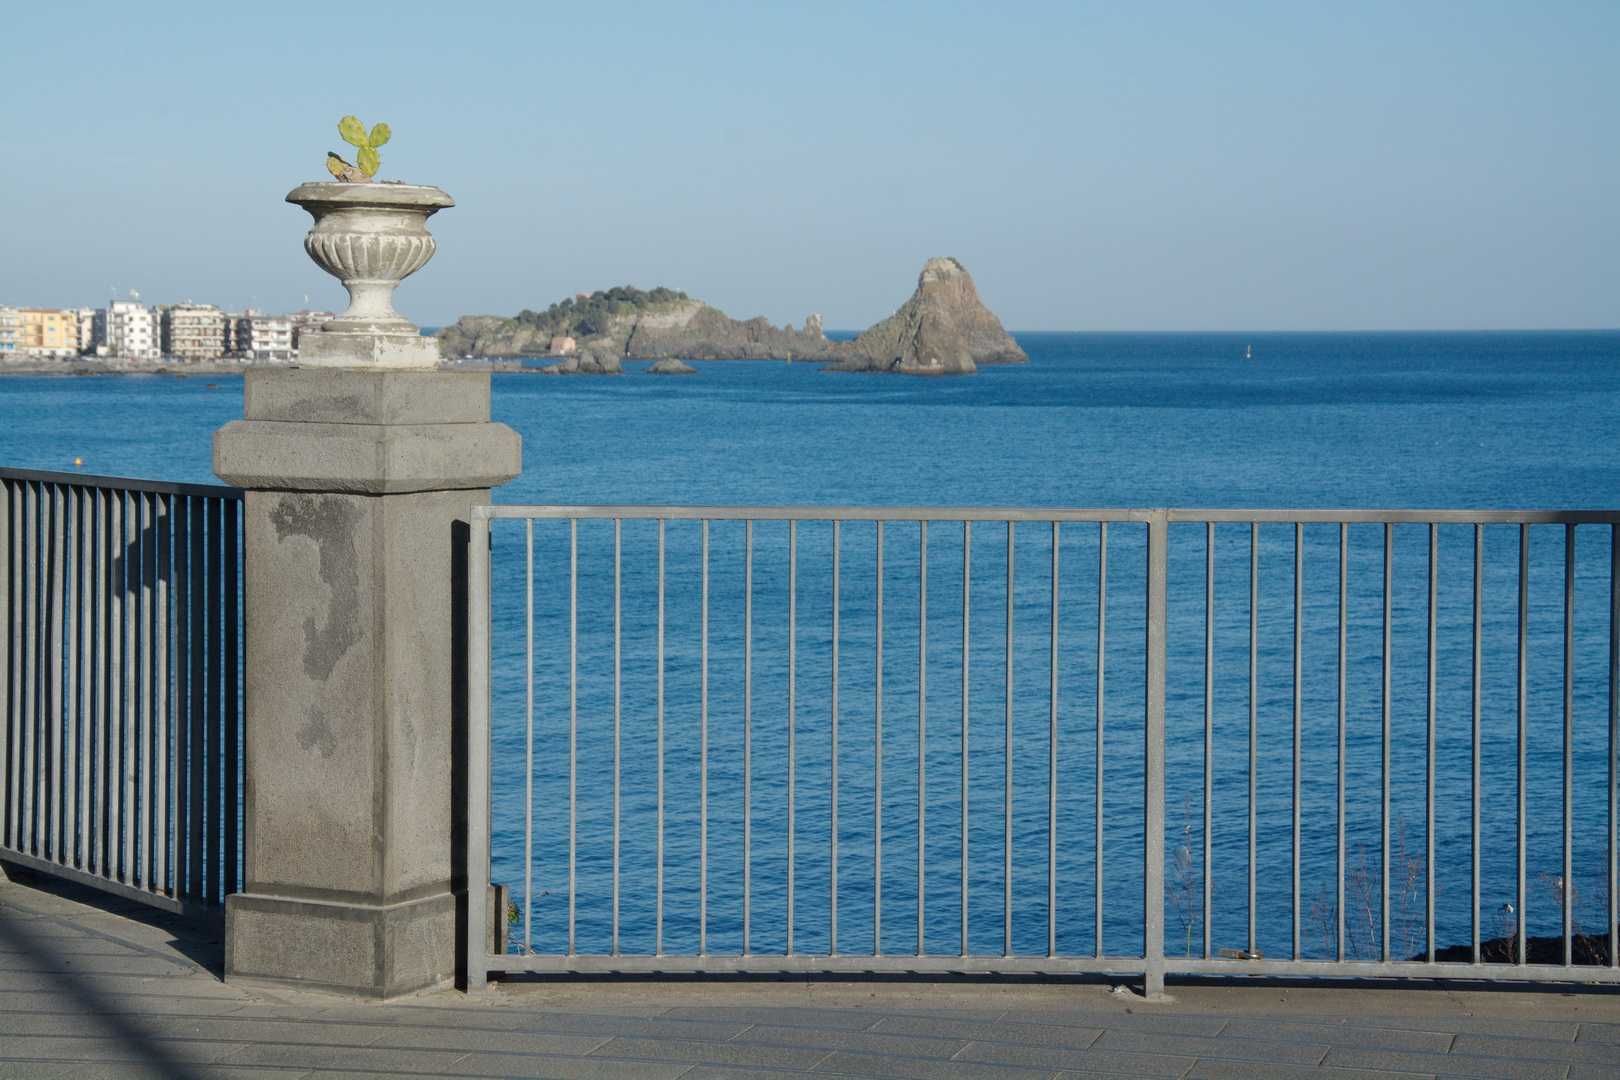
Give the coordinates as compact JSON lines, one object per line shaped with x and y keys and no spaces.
{"x":78,"y":462}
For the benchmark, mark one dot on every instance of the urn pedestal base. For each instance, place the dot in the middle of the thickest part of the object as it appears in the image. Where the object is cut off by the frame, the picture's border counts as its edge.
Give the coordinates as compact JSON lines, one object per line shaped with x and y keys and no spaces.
{"x":328,"y":348}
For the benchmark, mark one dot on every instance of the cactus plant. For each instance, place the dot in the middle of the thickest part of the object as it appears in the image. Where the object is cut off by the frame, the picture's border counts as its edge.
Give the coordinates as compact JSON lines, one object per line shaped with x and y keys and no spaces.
{"x":366,"y":144}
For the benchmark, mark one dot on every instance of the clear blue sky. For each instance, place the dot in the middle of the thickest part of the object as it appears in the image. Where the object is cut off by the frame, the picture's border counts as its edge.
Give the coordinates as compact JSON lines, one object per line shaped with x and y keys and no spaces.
{"x":1290,"y":165}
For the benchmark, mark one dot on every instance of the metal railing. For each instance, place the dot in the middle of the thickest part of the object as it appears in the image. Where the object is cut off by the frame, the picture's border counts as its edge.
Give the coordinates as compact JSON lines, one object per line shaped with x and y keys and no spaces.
{"x":121,"y":631}
{"x":1070,"y":747}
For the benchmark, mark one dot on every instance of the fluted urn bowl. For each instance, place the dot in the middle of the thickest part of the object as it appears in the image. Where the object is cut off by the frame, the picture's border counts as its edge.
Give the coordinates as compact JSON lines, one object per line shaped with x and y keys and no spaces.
{"x":370,"y":237}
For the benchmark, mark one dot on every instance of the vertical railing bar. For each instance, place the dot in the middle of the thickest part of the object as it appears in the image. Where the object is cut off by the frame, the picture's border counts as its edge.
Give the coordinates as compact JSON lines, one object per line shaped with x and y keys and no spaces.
{"x":73,"y":766}
{"x":1007,"y":763}
{"x":528,"y":736}
{"x":149,"y":672}
{"x":124,"y":702}
{"x":703,"y":748}
{"x":148,"y":790}
{"x":618,"y":710}
{"x":792,"y":717}
{"x":129,"y":552}
{"x":1521,"y":687}
{"x":11,"y":569}
{"x":183,"y":796}
{"x":53,"y":710}
{"x":84,"y":675}
{"x":922,"y":735}
{"x":1383,"y":901}
{"x":967,"y":624}
{"x":877,"y":757}
{"x":1567,"y":882}
{"x":1052,"y":760}
{"x":1344,"y":575}
{"x":199,"y":691}
{"x":1102,"y":656}
{"x":99,"y":705}
{"x":1153,"y":755}
{"x":832,"y":782}
{"x":160,"y":708}
{"x":1299,"y":616}
{"x":573,"y":724}
{"x":476,"y":946}
{"x":233,"y":717}
{"x":216,"y":802}
{"x":29,"y":743}
{"x":1209,"y":730}
{"x":1473,"y":785}
{"x":1254,"y":725}
{"x":1429,"y":753}
{"x":1614,"y":745}
{"x":748,"y":728}
{"x":658,"y":931}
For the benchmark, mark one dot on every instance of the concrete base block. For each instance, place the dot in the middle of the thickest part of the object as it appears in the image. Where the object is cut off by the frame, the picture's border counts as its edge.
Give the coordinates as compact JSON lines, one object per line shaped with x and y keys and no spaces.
{"x":379,"y":951}
{"x":350,"y":396}
{"x":334,"y":348}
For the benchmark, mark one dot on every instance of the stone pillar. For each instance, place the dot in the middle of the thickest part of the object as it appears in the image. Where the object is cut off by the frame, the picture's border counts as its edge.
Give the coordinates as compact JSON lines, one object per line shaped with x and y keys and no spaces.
{"x":359,"y":476}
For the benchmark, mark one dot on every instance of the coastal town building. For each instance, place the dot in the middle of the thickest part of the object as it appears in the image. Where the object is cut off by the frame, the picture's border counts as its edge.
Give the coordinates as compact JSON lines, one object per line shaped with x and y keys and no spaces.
{"x":128,"y":330}
{"x":87,"y":329}
{"x":262,"y":338}
{"x":194,"y":332}
{"x":8,"y":330}
{"x":47,"y":332}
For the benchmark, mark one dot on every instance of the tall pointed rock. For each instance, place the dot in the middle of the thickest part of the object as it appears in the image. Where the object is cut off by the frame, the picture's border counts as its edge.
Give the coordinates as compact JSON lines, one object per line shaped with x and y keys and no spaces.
{"x":944,"y":329}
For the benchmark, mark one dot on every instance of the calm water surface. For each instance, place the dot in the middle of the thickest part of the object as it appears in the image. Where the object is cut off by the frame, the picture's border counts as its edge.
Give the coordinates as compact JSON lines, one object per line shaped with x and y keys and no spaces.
{"x":1118,"y":420}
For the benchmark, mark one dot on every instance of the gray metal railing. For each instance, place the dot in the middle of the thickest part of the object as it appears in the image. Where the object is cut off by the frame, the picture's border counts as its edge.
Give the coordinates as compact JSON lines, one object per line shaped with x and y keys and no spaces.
{"x":1152,"y":612}
{"x":121,"y":631}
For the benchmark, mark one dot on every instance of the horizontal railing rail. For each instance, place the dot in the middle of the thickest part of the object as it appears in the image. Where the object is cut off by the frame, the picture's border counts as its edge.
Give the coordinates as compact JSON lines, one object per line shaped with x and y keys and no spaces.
{"x":120,"y":754}
{"x":720,"y":679}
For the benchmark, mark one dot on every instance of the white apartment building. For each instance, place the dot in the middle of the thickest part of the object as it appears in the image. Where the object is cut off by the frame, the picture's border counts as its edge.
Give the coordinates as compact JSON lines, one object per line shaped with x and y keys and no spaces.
{"x":9,"y":321}
{"x":194,"y":332}
{"x":128,"y":330}
{"x":265,"y":338}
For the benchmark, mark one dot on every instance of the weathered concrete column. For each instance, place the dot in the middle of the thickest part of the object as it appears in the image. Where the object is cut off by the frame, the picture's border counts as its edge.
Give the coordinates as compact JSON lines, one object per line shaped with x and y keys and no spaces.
{"x":359,"y":474}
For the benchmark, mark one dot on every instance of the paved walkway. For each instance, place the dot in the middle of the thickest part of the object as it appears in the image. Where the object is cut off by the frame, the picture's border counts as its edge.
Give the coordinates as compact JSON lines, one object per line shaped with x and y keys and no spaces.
{"x":105,"y":989}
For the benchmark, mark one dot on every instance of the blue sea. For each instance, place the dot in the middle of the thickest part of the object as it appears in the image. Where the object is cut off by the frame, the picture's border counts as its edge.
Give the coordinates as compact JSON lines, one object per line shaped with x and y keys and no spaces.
{"x":1486,"y":420}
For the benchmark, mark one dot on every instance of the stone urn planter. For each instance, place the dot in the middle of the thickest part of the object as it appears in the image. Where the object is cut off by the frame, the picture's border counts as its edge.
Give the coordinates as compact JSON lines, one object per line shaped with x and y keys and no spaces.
{"x":370,"y":237}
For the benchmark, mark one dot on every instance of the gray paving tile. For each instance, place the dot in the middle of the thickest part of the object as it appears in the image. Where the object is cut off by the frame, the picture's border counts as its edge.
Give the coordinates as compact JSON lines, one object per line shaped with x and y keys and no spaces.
{"x":1196,"y":1046}
{"x":713,"y":1053}
{"x":1433,"y":1042}
{"x":291,"y":1055}
{"x":1092,"y":1060}
{"x":94,"y":1048}
{"x":1543,"y":1049}
{"x":568,"y":1068}
{"x":1212,"y":1069}
{"x":1171,"y":1023}
{"x":728,"y":1072}
{"x":886,"y":1065}
{"x":396,"y":1037}
{"x":1461,"y":1020}
{"x":1603,"y":1033}
{"x":1594,"y":1072}
{"x":1445,"y":1064}
{"x":607,"y":1026}
{"x":854,"y":1019}
{"x":864,"y":1041}
{"x":1002,"y":1031}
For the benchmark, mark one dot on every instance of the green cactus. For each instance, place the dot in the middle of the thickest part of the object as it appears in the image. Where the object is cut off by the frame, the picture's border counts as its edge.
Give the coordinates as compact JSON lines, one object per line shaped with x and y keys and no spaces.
{"x":367,"y":159}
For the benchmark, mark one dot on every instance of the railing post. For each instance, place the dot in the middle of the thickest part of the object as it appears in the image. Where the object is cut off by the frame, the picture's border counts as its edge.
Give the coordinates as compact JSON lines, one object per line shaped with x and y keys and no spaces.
{"x":1153,"y":832}
{"x":476,"y":751}
{"x":361,"y":470}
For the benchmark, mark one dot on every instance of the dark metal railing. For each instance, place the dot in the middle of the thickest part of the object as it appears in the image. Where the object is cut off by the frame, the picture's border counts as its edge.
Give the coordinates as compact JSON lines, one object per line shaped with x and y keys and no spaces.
{"x":121,"y":633}
{"x":1172,"y":636}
